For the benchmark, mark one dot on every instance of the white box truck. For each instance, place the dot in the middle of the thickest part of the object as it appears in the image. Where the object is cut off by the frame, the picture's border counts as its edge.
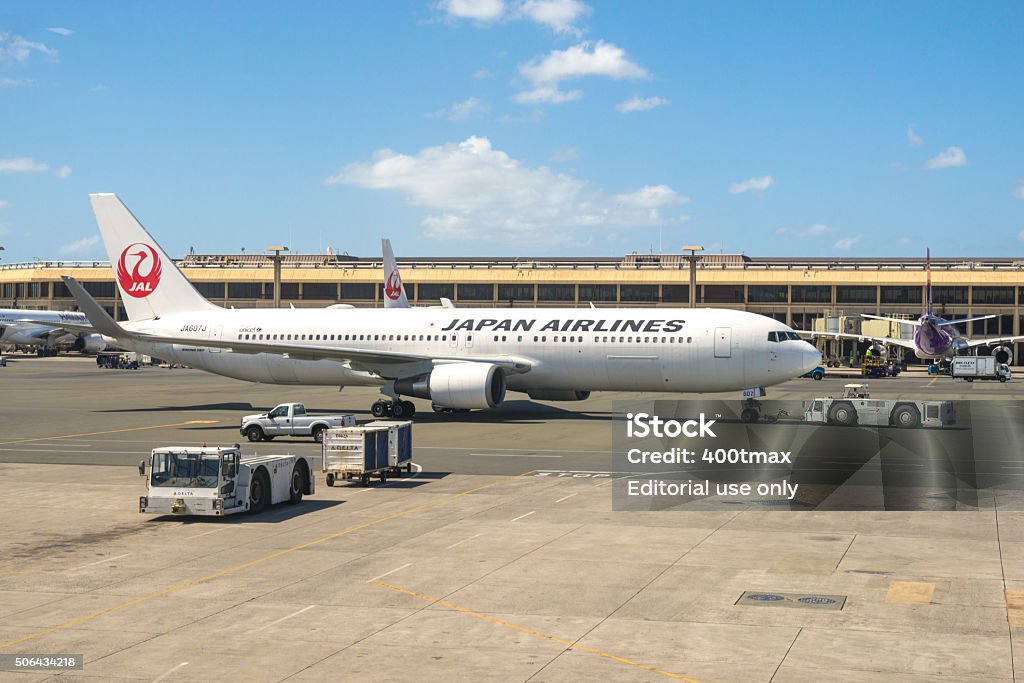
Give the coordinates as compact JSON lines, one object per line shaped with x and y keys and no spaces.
{"x":186,"y":480}
{"x":970,"y":368}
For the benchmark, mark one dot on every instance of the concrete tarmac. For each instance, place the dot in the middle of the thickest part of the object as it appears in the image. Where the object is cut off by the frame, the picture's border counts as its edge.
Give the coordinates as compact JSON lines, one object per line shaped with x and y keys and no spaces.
{"x":500,"y":559}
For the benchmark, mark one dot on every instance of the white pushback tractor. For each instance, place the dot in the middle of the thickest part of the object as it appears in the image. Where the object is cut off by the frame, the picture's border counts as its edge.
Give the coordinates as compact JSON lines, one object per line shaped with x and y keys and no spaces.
{"x":856,"y":407}
{"x":186,"y":480}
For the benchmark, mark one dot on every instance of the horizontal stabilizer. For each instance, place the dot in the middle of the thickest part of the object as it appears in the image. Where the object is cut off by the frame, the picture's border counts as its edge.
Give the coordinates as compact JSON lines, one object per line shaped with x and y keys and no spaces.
{"x":963,"y":320}
{"x":915,"y":323}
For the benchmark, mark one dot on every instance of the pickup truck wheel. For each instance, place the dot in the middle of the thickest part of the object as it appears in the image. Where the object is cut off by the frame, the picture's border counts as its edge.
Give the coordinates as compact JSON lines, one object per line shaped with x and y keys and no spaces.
{"x":259,"y":492}
{"x":298,"y":483}
{"x":254,"y":433}
{"x":906,"y":416}
{"x":842,"y":414}
{"x":318,"y":434}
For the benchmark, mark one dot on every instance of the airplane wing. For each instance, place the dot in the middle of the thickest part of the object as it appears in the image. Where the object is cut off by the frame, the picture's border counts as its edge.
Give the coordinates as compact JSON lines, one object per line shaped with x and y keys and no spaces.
{"x":971,"y":343}
{"x":46,"y":332}
{"x":384,"y":363}
{"x":905,"y":343}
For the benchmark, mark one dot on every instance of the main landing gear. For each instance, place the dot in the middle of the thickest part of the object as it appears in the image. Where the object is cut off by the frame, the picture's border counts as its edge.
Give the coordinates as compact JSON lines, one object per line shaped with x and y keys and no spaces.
{"x":398,"y":409}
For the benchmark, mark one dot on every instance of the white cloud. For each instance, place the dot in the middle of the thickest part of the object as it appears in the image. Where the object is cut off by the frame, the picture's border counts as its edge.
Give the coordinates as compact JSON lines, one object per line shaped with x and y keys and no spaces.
{"x":64,"y":172}
{"x":563,"y":154}
{"x":558,"y":15}
{"x":952,"y":157}
{"x":547,"y":95}
{"x":15,"y":82}
{"x":476,"y":192}
{"x":601,"y":59}
{"x":1018,"y":191}
{"x":22,"y":165}
{"x":913,"y":139}
{"x":847,"y":242}
{"x":579,"y":60}
{"x":460,"y":111}
{"x":481,"y":74}
{"x":759,"y":183}
{"x":637,"y":103}
{"x":813,"y":230}
{"x":60,"y":31}
{"x":15,"y":48}
{"x":82,"y":246}
{"x":477,"y":10}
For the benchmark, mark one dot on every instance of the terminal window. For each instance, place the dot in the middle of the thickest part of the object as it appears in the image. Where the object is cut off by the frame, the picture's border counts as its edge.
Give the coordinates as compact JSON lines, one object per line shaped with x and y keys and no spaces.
{"x":992,"y":295}
{"x":556,"y":292}
{"x":476,"y":292}
{"x":856,"y":294}
{"x":515,"y":292}
{"x":638,"y":292}
{"x":597,"y":292}
{"x":769,"y":294}
{"x":901,"y":295}
{"x":358,"y":291}
{"x":949,"y":295}
{"x":812,"y":294}
{"x":431,"y":292}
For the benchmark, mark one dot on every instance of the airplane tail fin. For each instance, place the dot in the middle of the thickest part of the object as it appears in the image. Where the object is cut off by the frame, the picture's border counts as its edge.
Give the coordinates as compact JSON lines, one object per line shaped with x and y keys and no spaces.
{"x":394,"y":290}
{"x":928,"y":282}
{"x":151,"y":285}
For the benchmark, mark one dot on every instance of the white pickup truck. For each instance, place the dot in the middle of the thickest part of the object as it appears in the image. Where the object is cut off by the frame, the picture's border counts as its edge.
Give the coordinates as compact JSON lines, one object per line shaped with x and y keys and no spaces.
{"x":290,"y":419}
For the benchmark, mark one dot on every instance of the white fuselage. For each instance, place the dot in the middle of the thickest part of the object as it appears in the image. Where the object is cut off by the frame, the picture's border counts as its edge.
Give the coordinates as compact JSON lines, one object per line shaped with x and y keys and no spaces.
{"x":13,"y":329}
{"x":653,"y":349}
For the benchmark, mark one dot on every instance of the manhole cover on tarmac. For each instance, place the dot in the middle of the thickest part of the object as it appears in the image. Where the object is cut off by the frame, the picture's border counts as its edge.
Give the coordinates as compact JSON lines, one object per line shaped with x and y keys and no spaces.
{"x":802,"y":600}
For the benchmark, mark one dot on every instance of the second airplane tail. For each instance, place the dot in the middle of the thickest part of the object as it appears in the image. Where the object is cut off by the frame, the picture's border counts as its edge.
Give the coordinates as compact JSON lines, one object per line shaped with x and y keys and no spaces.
{"x":394,"y":290}
{"x":151,"y":285}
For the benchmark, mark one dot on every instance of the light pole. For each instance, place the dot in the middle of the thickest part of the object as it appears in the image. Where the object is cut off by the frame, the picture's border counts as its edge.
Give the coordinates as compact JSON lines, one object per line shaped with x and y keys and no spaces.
{"x":276,"y":258}
{"x":693,"y":249}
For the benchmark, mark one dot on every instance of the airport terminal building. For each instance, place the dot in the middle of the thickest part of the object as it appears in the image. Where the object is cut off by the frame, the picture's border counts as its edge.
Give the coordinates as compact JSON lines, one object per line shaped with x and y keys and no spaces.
{"x":806,"y":293}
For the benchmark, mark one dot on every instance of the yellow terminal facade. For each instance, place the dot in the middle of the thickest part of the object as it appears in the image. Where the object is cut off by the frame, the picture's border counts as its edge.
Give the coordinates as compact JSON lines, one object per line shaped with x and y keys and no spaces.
{"x":806,"y":293}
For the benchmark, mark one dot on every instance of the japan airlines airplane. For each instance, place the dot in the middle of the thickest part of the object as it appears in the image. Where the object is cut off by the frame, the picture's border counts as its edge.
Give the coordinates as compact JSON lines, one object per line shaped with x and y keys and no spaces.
{"x":934,"y":336}
{"x":46,"y":329}
{"x":458,"y":359}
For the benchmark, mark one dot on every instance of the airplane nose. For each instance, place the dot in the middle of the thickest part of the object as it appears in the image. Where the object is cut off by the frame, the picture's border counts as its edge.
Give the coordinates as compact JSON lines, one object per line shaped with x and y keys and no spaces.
{"x":811,"y":358}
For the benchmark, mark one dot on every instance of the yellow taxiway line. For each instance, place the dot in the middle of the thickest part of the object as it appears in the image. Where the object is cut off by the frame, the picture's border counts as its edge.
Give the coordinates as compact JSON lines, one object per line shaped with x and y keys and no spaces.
{"x":109,"y":431}
{"x":570,"y":644}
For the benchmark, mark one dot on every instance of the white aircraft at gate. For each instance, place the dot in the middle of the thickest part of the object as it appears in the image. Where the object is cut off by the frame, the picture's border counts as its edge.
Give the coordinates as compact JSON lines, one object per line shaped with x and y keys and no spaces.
{"x":456,"y":358}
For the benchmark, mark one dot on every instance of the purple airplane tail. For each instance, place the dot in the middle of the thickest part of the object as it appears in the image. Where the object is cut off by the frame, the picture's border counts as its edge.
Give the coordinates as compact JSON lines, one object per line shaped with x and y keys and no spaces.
{"x":928,"y":282}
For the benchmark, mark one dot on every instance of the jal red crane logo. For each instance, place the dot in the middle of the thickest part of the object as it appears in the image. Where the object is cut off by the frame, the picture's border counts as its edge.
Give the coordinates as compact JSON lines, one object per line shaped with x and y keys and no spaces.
{"x":138,"y":270}
{"x":393,"y":287}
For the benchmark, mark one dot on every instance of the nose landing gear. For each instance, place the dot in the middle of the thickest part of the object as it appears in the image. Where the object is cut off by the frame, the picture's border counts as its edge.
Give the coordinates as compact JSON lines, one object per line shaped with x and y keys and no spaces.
{"x":398,"y":409}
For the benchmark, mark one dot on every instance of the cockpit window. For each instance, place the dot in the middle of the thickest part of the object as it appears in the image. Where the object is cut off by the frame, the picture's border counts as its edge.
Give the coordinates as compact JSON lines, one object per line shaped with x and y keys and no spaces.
{"x":781,"y":336}
{"x":773,"y":336}
{"x":793,"y":335}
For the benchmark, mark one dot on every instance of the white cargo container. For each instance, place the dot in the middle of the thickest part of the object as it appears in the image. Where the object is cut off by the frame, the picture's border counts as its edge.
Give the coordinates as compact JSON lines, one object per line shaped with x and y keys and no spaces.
{"x":185,"y":480}
{"x":351,"y":452}
{"x":399,"y":443}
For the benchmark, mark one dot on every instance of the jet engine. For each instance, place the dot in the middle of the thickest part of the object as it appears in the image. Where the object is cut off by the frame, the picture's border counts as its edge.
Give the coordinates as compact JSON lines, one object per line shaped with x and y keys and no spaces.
{"x":1002,"y":354}
{"x":90,"y":344}
{"x":558,"y":395}
{"x":458,"y":385}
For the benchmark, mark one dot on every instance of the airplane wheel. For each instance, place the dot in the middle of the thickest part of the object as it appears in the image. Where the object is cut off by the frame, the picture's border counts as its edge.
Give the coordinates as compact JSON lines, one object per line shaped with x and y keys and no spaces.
{"x":410,"y":408}
{"x":400,"y":410}
{"x":380,"y":409}
{"x":438,"y":409}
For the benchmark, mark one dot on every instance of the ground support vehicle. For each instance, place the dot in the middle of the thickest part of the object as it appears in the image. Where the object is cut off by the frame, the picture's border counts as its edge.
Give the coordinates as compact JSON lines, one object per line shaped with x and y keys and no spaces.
{"x":186,"y":480}
{"x":356,"y":453}
{"x":817,"y":373}
{"x":399,"y":443}
{"x":290,"y":419}
{"x":970,"y":368}
{"x":856,"y":407}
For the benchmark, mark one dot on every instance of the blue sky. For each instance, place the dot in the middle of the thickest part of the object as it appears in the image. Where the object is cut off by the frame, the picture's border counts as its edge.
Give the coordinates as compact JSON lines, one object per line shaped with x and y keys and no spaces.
{"x":482,"y":127}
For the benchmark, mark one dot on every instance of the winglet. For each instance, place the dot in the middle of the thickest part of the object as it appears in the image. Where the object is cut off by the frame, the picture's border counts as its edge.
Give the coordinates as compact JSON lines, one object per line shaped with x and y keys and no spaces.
{"x":100,"y":319}
{"x":394,"y":291}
